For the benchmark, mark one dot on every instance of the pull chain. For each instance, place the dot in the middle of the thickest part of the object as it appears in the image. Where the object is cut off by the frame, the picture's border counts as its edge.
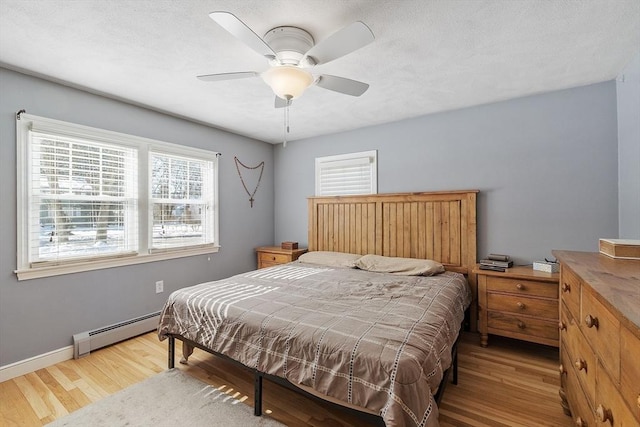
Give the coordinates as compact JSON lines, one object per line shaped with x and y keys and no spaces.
{"x":286,"y":124}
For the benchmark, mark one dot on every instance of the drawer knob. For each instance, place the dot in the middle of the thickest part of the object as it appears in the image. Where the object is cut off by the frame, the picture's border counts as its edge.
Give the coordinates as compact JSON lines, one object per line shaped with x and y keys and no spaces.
{"x":581,"y":364}
{"x":591,"y":321}
{"x":562,"y":369}
{"x":521,"y":305}
{"x":604,"y":414}
{"x":521,"y":325}
{"x":566,"y":287}
{"x":562,"y":326}
{"x":580,"y":422}
{"x":520,"y":287}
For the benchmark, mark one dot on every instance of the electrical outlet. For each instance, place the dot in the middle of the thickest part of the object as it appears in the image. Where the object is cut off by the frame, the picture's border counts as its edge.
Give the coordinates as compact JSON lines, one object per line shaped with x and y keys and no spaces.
{"x":159,"y":286}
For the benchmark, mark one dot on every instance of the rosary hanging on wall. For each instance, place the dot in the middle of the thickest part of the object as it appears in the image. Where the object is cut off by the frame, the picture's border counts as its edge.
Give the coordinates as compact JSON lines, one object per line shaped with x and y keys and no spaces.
{"x":261,"y":166}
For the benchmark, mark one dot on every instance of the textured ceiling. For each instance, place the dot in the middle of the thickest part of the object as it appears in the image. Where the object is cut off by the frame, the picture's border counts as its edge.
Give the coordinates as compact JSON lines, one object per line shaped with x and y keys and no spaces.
{"x":428,"y":56}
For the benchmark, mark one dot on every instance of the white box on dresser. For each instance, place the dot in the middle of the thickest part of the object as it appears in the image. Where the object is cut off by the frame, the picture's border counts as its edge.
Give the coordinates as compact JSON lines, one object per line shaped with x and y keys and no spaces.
{"x":599,"y":339}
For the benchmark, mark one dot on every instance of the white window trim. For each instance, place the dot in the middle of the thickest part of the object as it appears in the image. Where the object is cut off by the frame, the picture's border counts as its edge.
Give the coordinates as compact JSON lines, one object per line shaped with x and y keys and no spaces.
{"x":26,"y":123}
{"x":371,"y":155}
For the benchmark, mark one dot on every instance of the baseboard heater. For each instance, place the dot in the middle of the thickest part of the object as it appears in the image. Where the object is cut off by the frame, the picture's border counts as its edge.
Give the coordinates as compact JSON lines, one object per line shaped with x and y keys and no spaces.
{"x":85,"y":342}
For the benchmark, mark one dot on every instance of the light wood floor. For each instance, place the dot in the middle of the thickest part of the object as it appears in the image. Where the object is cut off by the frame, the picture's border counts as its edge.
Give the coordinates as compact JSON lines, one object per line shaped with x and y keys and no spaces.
{"x":508,"y":384}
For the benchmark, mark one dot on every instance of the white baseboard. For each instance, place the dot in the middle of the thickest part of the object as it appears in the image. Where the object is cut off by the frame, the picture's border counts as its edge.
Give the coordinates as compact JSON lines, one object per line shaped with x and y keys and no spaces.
{"x":32,"y":364}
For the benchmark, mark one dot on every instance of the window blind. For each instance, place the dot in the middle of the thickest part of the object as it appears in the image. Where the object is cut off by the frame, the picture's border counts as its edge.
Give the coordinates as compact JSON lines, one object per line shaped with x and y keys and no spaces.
{"x":85,"y":202}
{"x":181,"y":194}
{"x":346,"y":174}
{"x":83,"y":199}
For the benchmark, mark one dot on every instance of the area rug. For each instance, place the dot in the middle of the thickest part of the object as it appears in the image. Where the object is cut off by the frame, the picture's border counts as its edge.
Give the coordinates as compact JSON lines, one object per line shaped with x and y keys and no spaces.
{"x":170,"y":398}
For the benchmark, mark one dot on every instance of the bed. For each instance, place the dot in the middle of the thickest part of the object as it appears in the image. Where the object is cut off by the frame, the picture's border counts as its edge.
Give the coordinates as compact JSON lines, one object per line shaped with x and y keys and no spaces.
{"x":362,"y":337}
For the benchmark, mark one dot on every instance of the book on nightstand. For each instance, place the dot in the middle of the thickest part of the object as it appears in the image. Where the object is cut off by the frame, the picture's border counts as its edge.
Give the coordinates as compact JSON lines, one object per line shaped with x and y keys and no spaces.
{"x":496,"y":262}
{"x":492,"y":267}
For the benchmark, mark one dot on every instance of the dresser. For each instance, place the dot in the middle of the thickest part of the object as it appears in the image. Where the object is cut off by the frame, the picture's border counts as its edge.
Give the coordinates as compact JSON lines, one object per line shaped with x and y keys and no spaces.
{"x":519,"y":303}
{"x":269,"y":256}
{"x":599,"y":339}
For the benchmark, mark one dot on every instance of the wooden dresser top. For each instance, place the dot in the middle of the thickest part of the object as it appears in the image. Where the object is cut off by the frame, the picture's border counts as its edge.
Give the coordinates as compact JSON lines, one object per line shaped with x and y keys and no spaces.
{"x":616,"y":282}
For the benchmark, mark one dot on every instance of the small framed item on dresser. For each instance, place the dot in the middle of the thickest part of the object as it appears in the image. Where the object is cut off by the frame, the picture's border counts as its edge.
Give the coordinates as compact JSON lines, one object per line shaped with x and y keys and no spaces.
{"x":620,"y":248}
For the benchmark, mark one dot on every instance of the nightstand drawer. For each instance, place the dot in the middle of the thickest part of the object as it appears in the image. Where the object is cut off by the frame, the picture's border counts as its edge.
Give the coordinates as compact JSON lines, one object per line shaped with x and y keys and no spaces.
{"x":547,"y":329}
{"x":266,"y":258}
{"x":539,"y":307}
{"x":523,"y":287}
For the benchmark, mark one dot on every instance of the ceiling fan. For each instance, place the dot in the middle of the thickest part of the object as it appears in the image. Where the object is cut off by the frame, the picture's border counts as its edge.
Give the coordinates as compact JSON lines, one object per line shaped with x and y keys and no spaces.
{"x":290,"y":52}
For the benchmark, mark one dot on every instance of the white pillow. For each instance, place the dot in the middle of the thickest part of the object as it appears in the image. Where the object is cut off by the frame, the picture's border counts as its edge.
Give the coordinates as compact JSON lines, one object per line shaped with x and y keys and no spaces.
{"x":331,"y":259}
{"x":400,"y":266}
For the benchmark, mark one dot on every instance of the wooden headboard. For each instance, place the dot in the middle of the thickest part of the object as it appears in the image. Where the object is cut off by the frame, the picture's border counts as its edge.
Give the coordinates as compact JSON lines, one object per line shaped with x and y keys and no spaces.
{"x":439,"y":226}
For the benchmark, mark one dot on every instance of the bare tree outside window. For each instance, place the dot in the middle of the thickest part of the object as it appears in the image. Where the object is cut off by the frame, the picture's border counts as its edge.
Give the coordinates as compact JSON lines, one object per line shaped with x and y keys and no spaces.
{"x":178,"y":203}
{"x":91,"y":198}
{"x":82,"y":196}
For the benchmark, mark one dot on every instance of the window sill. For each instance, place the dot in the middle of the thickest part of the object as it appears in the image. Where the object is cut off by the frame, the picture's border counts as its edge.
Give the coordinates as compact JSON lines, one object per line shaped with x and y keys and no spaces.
{"x":57,"y":270}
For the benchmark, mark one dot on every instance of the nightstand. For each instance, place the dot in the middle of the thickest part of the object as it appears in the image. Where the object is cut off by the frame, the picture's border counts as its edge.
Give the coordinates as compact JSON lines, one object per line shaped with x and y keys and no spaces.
{"x":269,"y":256}
{"x":519,"y":303}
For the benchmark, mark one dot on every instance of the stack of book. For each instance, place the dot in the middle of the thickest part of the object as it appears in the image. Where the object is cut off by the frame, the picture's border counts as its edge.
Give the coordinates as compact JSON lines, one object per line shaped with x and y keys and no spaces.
{"x":496,"y":262}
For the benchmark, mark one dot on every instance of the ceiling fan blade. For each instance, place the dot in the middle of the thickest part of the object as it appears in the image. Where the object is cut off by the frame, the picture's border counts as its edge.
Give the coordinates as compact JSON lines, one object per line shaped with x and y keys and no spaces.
{"x":346,"y":40}
{"x":241,"y":31}
{"x":342,"y":85}
{"x":227,"y":76}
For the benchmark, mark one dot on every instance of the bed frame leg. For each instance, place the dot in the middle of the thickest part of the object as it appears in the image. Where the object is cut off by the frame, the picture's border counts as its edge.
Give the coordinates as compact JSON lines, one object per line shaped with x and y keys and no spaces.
{"x":257,"y":397}
{"x":172,"y":352}
{"x":455,"y":366}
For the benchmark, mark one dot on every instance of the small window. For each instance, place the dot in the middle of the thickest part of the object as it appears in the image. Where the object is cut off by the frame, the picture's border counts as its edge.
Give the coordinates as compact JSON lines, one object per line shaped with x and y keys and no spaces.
{"x":346,"y":174}
{"x":181,"y":197}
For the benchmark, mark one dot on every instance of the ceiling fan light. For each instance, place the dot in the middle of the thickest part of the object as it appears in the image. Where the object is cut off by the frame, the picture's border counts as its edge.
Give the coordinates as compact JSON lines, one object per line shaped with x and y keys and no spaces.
{"x":287,"y":82}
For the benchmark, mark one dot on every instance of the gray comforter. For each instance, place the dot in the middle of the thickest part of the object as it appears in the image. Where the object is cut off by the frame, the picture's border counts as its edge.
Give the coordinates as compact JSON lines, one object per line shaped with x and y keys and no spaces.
{"x":373,"y":340}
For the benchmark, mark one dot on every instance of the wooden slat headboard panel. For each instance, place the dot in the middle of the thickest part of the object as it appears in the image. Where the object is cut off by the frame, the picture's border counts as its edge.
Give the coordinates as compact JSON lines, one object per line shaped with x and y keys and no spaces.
{"x":439,"y":226}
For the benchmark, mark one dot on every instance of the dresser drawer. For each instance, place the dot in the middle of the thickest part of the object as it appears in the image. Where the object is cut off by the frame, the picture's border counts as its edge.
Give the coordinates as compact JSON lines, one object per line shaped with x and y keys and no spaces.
{"x":605,"y":341}
{"x":630,"y":371}
{"x":580,"y":410}
{"x":544,"y":308}
{"x":570,"y":290}
{"x":610,"y":410}
{"x":547,"y":329}
{"x":522,"y":287}
{"x":602,"y":330}
{"x":569,"y":331}
{"x":583,"y":361}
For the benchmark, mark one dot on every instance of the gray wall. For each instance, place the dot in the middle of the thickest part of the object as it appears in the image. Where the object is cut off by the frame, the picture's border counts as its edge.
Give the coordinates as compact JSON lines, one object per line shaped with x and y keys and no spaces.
{"x":41,"y":315}
{"x":628,"y":90}
{"x":545,"y":165}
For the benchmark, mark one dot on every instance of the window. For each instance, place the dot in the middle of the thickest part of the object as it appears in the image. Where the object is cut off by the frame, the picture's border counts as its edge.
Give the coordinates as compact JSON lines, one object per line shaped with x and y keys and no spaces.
{"x":180,"y":200}
{"x":90,"y":198}
{"x":354,"y":173}
{"x":83,"y":199}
